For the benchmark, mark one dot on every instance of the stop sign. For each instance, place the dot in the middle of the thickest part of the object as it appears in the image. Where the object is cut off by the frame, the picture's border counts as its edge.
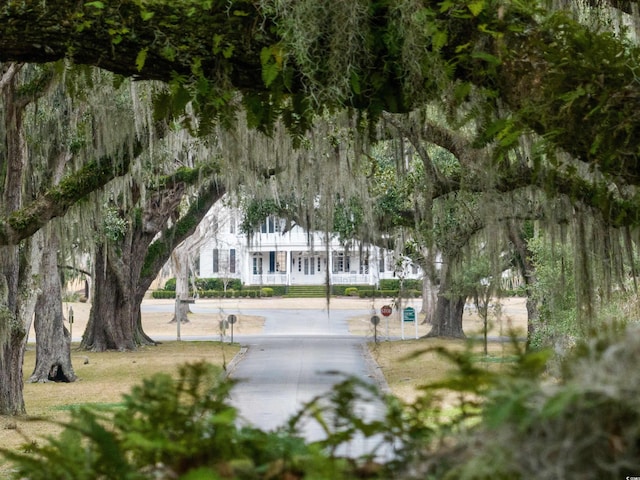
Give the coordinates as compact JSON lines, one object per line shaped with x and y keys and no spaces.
{"x":386,"y":310}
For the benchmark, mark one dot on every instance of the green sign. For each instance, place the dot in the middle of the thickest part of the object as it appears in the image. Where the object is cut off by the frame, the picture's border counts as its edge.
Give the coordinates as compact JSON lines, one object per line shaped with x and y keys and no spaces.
{"x":409,"y":314}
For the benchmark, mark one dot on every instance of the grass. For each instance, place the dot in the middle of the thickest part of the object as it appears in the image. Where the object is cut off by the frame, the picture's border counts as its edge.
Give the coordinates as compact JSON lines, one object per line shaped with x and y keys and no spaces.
{"x":409,"y":365}
{"x":104,"y":377}
{"x":102,"y":380}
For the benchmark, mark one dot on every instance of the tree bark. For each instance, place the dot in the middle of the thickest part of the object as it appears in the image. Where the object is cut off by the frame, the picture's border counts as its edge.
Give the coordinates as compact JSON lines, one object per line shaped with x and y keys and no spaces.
{"x":16,"y":312}
{"x":53,"y":340}
{"x":114,"y":315}
{"x":449,"y":309}
{"x":429,"y":299}
{"x":124,"y":272}
{"x":181,"y":270}
{"x":19,"y":265}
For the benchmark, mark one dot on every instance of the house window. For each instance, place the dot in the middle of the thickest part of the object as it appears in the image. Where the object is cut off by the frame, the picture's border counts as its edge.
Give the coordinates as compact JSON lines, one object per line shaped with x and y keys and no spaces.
{"x":299,"y":264}
{"x":257,"y":265}
{"x":281,"y":261}
{"x":271,"y":224}
{"x":232,"y":224}
{"x":364,"y":266}
{"x":318,"y":263}
{"x":341,"y":263}
{"x":232,"y":260}
{"x":381,"y":263}
{"x":216,"y":261}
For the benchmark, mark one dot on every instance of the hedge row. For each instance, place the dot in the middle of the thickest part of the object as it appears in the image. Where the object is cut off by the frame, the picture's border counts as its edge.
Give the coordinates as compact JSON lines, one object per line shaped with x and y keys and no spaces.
{"x":203,"y":284}
{"x":246,"y":293}
{"x":388,"y":293}
{"x":394,"y":284}
{"x":362,"y":291}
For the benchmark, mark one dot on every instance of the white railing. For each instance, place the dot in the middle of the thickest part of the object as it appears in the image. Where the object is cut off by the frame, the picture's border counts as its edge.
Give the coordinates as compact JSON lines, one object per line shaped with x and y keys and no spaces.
{"x":349,"y":279}
{"x":269,"y":279}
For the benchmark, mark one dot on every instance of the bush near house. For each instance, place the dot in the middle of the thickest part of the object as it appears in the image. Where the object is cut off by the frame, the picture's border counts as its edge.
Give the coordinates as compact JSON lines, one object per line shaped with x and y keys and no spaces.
{"x":394,"y":284}
{"x":371,"y":293}
{"x":247,"y":292}
{"x":159,"y":294}
{"x":203,"y":284}
{"x":218,"y":284}
{"x":341,"y":290}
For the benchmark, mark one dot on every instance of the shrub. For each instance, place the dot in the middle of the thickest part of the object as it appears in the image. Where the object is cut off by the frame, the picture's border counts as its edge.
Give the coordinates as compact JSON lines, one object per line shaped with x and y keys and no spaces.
{"x":351,"y":292}
{"x":186,"y":428}
{"x":157,"y":294}
{"x":266,"y":292}
{"x":394,"y":284}
{"x":170,"y":284}
{"x":217,"y":284}
{"x":390,"y":284}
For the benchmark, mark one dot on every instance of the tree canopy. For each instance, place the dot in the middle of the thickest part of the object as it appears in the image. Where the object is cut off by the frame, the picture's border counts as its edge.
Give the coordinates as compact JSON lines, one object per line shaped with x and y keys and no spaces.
{"x":574,"y":86}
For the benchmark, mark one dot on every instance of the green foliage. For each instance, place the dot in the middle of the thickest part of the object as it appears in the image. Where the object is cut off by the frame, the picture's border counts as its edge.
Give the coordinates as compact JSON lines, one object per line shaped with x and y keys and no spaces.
{"x":584,"y":425}
{"x":371,"y":293}
{"x":554,"y":292}
{"x":266,"y":292}
{"x":185,"y":427}
{"x":203,"y":284}
{"x":170,"y":284}
{"x":115,"y":226}
{"x":351,"y":291}
{"x":161,"y":294}
{"x":395,"y":284}
{"x":390,"y":284}
{"x":479,"y":422}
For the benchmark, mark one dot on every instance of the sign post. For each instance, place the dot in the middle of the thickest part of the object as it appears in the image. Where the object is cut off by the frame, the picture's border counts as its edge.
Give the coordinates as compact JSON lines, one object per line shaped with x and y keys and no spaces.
{"x":386,"y":311}
{"x":70,"y":323}
{"x":232,"y":319}
{"x":408,"y":315}
{"x":375,"y":320}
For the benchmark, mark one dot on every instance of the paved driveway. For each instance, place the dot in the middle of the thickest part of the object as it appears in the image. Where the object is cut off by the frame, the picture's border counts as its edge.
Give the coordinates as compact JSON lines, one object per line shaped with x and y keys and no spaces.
{"x":301,"y":354}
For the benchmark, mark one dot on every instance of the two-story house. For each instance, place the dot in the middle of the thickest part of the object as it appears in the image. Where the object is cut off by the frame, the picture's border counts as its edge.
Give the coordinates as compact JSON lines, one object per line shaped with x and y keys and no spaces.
{"x":295,"y":257}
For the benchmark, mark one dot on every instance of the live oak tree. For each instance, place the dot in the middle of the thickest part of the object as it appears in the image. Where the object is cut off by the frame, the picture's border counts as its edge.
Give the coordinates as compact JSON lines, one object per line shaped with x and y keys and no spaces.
{"x":141,"y":238}
{"x":544,"y":69}
{"x":19,"y":265}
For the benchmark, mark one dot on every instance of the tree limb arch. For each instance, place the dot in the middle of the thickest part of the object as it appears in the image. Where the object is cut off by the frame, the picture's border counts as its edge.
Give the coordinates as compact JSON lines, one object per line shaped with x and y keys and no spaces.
{"x":575,"y":87}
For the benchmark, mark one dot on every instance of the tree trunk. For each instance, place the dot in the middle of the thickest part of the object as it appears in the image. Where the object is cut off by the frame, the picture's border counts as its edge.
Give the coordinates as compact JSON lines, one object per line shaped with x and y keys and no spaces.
{"x":429,"y":299}
{"x":19,"y":265}
{"x":12,"y":336}
{"x":114,"y":321}
{"x":124,"y":269}
{"x":17,"y":305}
{"x":180,"y":263}
{"x":53,"y":340}
{"x":528,"y":272}
{"x":449,"y":309}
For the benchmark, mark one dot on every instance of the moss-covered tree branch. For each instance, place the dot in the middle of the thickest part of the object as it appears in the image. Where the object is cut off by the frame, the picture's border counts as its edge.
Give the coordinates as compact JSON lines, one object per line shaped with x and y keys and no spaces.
{"x":577,"y":88}
{"x":57,"y":200}
{"x":160,"y":250}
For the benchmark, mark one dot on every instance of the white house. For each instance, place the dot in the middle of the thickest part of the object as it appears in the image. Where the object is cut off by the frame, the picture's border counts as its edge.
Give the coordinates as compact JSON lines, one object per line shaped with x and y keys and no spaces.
{"x":296,"y":257}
